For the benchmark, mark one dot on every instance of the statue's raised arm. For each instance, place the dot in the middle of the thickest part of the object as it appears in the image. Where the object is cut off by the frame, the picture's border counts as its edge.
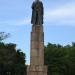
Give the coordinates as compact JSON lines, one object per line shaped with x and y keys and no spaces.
{"x":37,"y":13}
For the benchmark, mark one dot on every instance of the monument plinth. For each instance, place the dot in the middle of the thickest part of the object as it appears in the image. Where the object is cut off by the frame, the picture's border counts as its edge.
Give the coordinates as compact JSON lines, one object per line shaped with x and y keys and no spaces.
{"x":37,"y":66}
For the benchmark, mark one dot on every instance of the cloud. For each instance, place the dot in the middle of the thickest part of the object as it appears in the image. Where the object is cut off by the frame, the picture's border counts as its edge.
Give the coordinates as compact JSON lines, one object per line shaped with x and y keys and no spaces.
{"x":16,"y":22}
{"x":23,"y":22}
{"x":63,"y":15}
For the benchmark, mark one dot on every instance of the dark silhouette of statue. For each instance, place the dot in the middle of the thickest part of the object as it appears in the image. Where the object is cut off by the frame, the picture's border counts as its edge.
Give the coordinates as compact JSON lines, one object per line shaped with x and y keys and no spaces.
{"x":37,"y":13}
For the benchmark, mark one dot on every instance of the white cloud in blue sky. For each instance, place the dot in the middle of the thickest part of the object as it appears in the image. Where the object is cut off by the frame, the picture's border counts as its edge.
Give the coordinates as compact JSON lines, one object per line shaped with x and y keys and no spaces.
{"x":64,"y":14}
{"x":59,"y":22}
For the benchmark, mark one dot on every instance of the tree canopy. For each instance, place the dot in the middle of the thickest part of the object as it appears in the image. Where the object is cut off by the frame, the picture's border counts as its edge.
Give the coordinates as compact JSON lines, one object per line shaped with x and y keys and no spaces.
{"x":60,"y":59}
{"x":11,"y":60}
{"x":3,"y":36}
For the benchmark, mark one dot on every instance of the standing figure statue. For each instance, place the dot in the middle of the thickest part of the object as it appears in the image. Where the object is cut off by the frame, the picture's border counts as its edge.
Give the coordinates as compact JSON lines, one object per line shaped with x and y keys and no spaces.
{"x":37,"y":13}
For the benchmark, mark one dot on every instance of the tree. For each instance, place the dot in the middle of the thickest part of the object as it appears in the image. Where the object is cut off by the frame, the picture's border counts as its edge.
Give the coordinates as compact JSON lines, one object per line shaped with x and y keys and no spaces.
{"x":7,"y":54}
{"x":20,"y":63}
{"x":3,"y":36}
{"x":11,"y":60}
{"x":54,"y":59}
{"x":60,"y":59}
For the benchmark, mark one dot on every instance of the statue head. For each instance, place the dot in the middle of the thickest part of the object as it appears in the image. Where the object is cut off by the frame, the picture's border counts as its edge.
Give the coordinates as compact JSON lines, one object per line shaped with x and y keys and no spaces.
{"x":36,"y":0}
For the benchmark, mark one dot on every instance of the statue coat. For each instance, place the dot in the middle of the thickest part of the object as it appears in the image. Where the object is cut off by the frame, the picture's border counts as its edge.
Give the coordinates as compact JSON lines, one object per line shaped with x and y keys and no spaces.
{"x":37,"y":13}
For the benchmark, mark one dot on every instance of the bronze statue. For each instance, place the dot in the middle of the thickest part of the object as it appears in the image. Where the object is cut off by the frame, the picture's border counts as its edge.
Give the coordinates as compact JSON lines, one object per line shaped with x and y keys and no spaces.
{"x":37,"y":13}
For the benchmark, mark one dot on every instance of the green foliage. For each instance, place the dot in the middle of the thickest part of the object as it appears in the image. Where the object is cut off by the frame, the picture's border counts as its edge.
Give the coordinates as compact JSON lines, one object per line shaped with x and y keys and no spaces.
{"x":20,"y":63}
{"x":60,"y":59}
{"x":11,"y":60}
{"x":3,"y":36}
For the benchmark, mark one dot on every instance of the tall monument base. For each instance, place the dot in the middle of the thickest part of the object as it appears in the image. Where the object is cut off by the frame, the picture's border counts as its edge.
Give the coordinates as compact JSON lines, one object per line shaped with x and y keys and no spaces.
{"x":37,"y":66}
{"x":37,"y":70}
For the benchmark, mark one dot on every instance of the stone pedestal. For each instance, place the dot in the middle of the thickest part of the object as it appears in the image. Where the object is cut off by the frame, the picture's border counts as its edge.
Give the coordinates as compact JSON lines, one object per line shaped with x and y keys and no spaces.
{"x":37,"y":70}
{"x":37,"y":45}
{"x":37,"y":52}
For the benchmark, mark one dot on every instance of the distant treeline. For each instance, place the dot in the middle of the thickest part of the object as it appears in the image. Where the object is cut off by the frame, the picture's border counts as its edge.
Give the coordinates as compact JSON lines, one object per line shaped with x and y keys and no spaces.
{"x":60,"y":59}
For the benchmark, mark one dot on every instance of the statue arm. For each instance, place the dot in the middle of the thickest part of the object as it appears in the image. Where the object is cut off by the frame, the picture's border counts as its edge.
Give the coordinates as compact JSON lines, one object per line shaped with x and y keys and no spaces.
{"x":42,"y":9}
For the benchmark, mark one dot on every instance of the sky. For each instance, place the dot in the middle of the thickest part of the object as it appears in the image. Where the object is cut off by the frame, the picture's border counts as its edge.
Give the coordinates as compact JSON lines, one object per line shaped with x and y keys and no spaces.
{"x":59,"y":22}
